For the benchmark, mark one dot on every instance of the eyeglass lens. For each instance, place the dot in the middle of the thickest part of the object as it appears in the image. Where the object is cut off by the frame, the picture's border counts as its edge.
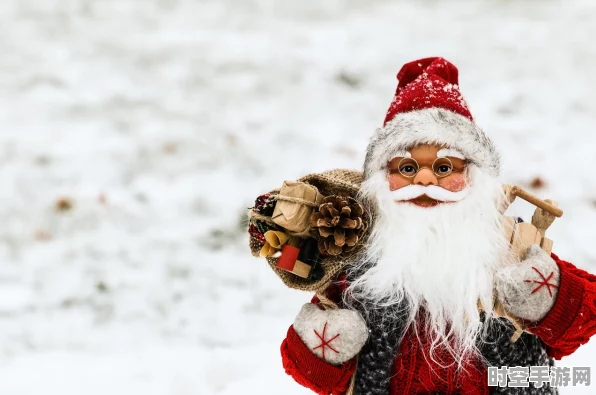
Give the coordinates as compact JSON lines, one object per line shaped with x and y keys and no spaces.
{"x":442,"y":167}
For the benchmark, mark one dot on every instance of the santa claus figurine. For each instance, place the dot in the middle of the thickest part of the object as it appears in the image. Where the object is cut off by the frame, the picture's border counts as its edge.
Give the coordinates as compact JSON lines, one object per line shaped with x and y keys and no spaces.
{"x":416,"y":308}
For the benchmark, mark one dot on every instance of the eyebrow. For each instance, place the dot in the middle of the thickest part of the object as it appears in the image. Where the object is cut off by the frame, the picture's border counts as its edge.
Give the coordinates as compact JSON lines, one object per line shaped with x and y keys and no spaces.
{"x":450,"y":152}
{"x":403,"y":154}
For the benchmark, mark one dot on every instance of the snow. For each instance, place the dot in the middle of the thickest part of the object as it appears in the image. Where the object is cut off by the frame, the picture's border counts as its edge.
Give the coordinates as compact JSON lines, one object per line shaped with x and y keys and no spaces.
{"x":163,"y":120}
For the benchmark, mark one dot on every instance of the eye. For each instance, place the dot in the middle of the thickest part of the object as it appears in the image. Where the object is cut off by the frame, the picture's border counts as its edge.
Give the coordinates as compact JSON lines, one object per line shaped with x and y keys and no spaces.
{"x":408,"y":168}
{"x":443,"y":167}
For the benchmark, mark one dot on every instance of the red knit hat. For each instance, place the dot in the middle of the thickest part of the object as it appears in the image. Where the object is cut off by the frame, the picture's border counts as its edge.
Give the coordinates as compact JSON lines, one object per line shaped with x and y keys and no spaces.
{"x":428,"y":108}
{"x":428,"y":83}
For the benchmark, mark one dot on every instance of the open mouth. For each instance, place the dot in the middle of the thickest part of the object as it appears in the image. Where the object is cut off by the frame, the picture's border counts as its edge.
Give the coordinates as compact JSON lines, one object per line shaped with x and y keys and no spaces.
{"x":424,"y":201}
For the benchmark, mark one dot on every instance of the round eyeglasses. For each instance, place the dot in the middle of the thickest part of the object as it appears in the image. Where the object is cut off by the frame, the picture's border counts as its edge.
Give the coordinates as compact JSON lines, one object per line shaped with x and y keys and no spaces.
{"x":441,"y":167}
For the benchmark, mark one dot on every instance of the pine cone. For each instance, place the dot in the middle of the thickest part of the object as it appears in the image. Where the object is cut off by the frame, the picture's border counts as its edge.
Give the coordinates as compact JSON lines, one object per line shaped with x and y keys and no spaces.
{"x":340,"y":221}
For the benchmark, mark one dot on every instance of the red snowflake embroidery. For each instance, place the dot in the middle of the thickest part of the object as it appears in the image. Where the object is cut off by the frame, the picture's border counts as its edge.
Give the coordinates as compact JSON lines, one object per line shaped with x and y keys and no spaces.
{"x":324,"y":341}
{"x":543,"y":282}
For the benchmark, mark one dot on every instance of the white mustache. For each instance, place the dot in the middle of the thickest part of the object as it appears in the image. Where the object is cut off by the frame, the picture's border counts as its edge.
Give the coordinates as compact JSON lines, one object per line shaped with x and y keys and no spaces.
{"x":435,"y":192}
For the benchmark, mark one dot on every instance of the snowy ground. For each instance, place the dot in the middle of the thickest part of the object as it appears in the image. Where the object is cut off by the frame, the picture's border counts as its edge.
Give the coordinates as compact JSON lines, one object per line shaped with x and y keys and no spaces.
{"x":160,"y":121}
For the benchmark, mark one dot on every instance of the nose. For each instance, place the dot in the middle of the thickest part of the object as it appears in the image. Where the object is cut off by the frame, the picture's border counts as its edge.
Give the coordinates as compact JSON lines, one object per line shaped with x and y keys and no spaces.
{"x":425,"y":177}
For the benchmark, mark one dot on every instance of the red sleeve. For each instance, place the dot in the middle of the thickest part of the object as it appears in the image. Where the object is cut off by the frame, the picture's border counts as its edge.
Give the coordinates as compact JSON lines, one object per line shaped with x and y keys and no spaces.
{"x":572,"y":320}
{"x":310,"y":371}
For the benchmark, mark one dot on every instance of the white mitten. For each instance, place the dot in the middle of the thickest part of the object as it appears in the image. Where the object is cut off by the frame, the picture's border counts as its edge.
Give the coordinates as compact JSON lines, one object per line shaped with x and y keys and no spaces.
{"x":334,"y":335}
{"x":529,"y":290}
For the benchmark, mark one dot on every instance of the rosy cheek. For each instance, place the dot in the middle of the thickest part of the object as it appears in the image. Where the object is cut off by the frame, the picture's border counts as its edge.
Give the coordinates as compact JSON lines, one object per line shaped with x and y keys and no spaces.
{"x":396,"y":181}
{"x":453,"y":182}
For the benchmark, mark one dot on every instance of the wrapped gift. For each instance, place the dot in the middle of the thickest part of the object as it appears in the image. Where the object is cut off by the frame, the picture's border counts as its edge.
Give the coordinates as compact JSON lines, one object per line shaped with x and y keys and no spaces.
{"x":301,"y":257}
{"x":295,"y":203}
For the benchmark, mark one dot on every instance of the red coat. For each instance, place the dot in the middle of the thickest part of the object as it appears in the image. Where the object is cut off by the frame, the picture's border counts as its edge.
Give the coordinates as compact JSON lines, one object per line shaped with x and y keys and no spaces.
{"x":570,"y":323}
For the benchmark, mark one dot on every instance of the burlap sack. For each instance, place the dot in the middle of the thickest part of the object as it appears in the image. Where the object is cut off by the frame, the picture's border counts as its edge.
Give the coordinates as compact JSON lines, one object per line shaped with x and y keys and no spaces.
{"x":334,"y":182}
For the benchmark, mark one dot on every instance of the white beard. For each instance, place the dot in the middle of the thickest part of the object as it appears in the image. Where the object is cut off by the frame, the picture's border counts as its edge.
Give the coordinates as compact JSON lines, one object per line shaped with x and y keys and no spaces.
{"x":438,"y":260}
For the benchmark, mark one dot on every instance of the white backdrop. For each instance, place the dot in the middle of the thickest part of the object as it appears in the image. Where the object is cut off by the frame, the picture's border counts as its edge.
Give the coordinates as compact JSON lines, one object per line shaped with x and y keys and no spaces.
{"x":161,"y":121}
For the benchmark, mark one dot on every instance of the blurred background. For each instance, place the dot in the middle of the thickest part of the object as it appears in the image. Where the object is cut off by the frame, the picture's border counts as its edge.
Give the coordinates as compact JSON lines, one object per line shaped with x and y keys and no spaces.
{"x":135,"y":134}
